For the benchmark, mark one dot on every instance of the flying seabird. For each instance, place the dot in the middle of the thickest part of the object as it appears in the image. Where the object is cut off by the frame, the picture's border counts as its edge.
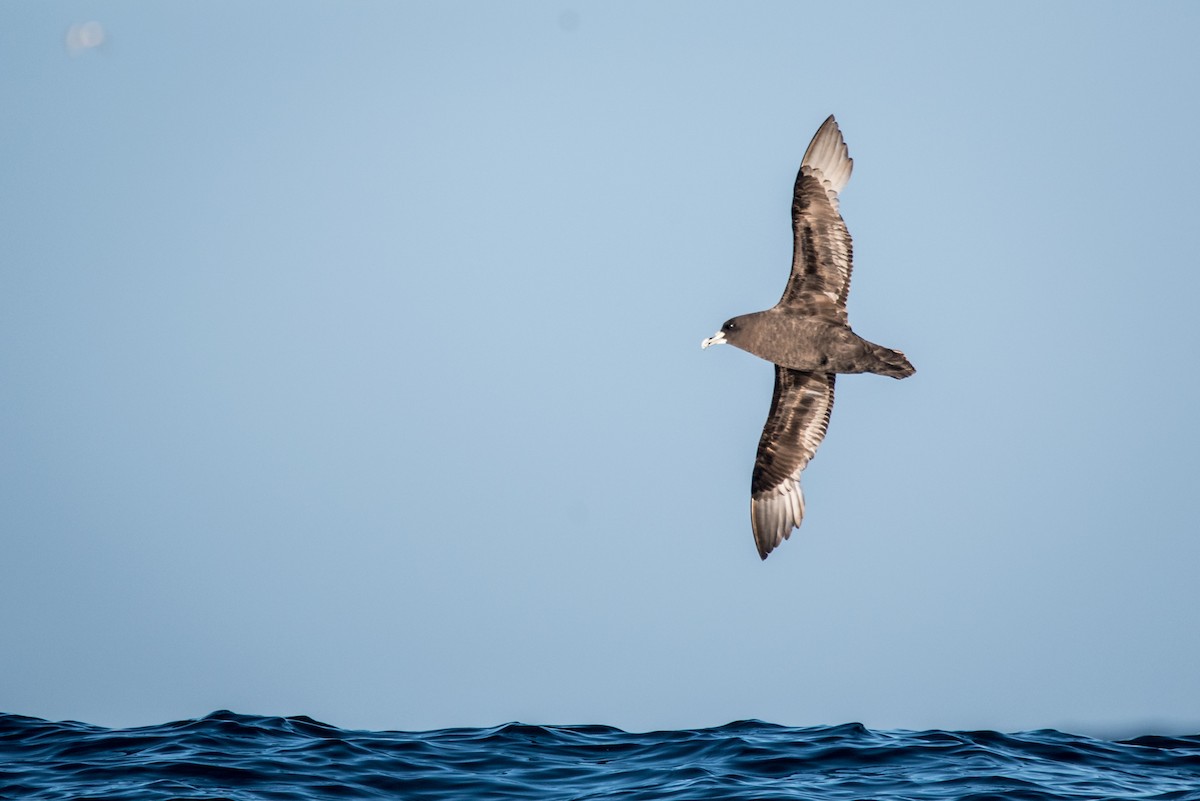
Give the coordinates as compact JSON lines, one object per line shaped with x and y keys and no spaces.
{"x":807,"y":336}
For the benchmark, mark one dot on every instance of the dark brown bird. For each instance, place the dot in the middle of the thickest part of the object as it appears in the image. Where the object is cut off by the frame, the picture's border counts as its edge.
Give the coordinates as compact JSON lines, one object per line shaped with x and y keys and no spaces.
{"x":808,"y":337}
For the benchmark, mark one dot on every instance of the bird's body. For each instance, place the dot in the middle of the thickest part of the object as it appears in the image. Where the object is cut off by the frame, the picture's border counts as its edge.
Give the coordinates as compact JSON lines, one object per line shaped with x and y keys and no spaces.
{"x":808,"y":337}
{"x":812,"y":344}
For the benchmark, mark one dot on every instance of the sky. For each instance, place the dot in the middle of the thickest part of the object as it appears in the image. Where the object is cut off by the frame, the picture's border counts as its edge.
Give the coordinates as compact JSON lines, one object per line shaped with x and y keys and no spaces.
{"x":350,"y":364}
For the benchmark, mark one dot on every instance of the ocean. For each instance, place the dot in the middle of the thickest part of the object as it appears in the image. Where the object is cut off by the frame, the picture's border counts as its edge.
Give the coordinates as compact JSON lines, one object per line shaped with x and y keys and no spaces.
{"x":249,"y":758}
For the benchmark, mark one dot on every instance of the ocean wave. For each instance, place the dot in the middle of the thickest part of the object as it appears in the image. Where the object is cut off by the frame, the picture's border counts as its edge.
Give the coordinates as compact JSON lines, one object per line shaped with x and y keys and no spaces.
{"x":248,"y":758}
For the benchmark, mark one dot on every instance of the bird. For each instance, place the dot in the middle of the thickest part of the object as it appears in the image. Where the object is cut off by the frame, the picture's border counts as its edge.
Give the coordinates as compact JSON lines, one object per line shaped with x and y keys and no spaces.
{"x":807,"y":336}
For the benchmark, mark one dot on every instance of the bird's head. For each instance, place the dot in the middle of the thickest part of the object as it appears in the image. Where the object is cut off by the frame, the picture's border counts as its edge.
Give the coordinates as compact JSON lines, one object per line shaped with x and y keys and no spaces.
{"x":728,"y":335}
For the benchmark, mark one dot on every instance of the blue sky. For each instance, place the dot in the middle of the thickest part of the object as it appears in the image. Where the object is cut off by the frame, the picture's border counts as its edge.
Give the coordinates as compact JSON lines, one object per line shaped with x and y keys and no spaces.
{"x":350,"y":364}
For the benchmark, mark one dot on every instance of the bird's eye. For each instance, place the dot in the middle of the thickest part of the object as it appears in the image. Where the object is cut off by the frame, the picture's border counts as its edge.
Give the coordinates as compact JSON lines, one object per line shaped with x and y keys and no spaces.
{"x":729,"y":326}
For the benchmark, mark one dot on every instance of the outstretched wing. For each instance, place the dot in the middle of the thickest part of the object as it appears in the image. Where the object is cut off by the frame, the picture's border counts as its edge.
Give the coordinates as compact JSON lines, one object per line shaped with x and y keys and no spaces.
{"x":795,"y":427}
{"x":823,"y":256}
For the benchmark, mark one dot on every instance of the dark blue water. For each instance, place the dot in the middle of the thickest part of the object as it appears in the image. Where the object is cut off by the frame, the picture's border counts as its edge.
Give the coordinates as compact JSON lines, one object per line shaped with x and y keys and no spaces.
{"x":242,"y":757}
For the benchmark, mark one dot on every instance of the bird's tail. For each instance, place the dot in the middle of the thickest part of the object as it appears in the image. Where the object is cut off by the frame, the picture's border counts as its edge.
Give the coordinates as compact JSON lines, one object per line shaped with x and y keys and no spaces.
{"x":891,"y":362}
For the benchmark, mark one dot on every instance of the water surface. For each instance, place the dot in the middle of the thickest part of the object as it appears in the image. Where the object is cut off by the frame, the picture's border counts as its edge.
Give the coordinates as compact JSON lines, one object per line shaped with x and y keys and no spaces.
{"x":246,"y":758}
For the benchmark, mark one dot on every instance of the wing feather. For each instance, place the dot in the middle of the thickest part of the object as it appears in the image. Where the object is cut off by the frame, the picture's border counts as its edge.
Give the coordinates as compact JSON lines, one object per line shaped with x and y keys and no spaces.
{"x":794,"y":429}
{"x":822,"y":257}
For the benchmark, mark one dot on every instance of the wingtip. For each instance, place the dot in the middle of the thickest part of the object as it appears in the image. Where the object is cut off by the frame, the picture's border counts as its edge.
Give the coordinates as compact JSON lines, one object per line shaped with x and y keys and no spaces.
{"x":764,"y":548}
{"x":827,"y":154}
{"x":774,"y":515}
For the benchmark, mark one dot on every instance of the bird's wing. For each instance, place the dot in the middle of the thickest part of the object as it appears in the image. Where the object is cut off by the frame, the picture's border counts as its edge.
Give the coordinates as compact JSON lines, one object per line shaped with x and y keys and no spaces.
{"x":795,"y":427}
{"x":823,"y":256}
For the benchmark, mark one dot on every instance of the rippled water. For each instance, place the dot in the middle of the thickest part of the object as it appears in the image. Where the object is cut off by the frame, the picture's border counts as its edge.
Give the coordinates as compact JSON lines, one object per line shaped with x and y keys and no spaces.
{"x":243,"y":757}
